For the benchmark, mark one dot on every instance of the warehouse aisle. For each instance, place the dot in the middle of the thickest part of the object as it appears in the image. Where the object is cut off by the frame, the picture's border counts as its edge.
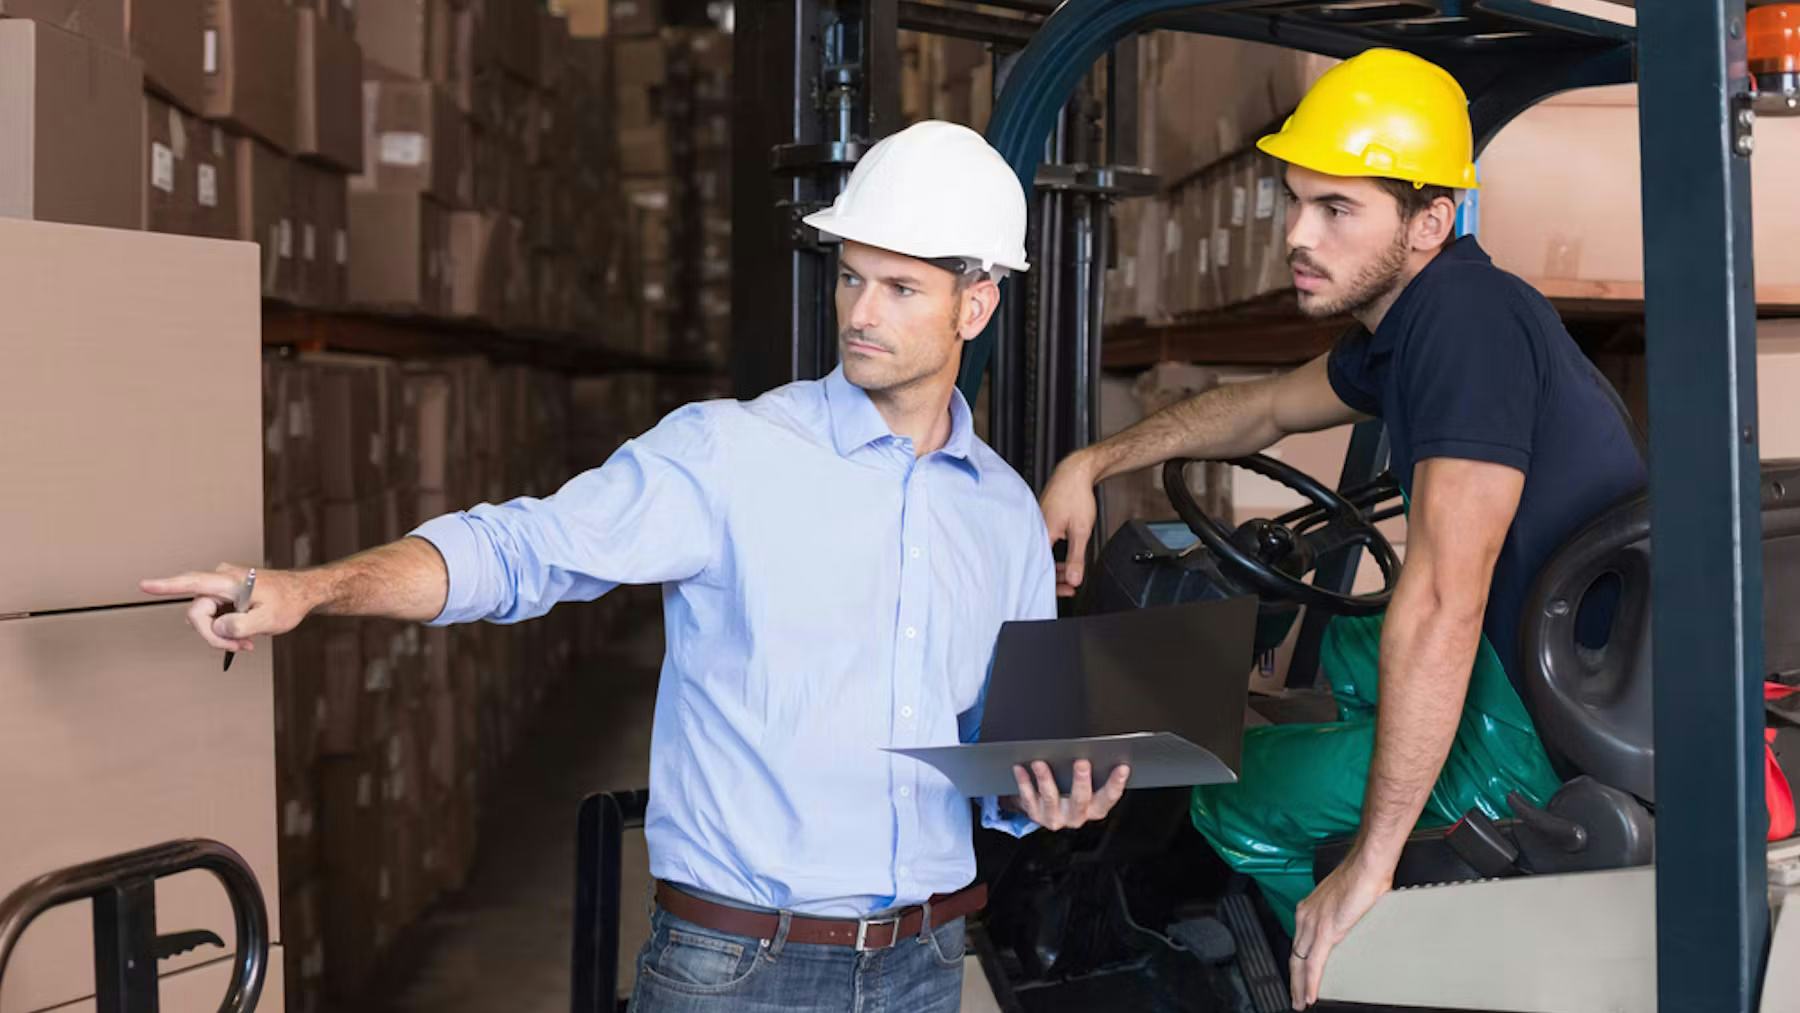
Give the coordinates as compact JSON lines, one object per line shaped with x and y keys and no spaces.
{"x":502,"y":944}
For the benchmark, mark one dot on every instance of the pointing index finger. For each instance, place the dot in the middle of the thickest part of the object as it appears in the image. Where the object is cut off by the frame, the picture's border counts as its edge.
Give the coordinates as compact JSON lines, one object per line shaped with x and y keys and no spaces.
{"x":212,"y":585}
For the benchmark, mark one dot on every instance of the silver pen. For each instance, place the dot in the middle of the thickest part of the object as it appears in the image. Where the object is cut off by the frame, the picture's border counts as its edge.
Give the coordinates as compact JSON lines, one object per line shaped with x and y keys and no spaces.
{"x":241,"y":604}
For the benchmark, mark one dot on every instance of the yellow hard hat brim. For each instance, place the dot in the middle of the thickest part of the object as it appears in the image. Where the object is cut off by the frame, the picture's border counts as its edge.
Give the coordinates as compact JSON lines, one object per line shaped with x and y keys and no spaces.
{"x":1287,"y":147}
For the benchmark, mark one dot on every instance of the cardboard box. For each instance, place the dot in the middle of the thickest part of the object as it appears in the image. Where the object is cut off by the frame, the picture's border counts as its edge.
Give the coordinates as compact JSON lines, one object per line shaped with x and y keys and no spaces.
{"x":72,"y":128}
{"x":190,"y":184}
{"x":352,"y":445}
{"x":644,"y":151}
{"x":328,"y":118}
{"x":303,"y":944}
{"x":1266,"y":250}
{"x":265,"y":188}
{"x":321,"y":215}
{"x":481,"y":264}
{"x":399,"y":252}
{"x":149,"y":747}
{"x":101,"y":21}
{"x":358,"y":885}
{"x":169,"y":36}
{"x":453,"y":51}
{"x":192,"y":316}
{"x":417,"y":142}
{"x":397,"y":37}
{"x":520,"y":42}
{"x":250,"y":61}
{"x":553,"y":49}
{"x":635,"y":17}
{"x":352,"y":527}
{"x":1579,"y":231}
{"x":587,"y":18}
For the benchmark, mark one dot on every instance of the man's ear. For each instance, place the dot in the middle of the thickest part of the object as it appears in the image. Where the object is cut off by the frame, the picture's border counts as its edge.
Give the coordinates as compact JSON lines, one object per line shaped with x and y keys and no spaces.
{"x":1435,"y":226}
{"x":980,"y":300}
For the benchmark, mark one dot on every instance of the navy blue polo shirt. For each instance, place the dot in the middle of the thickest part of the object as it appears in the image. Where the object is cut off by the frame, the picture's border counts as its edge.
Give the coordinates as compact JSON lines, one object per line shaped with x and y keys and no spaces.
{"x":1471,"y":362}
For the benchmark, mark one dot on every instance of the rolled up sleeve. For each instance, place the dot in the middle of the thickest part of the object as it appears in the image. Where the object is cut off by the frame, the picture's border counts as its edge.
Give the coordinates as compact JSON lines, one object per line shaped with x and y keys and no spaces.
{"x":646,"y":516}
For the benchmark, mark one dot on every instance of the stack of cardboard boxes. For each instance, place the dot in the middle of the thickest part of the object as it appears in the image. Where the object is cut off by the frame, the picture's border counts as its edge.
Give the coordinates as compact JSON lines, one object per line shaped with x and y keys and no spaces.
{"x":1215,"y":236}
{"x":942,"y":78}
{"x":388,"y":734}
{"x":118,"y":730}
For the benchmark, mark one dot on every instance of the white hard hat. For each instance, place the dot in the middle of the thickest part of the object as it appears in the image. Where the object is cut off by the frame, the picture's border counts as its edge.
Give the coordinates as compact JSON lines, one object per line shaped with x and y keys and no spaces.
{"x":934,"y":190}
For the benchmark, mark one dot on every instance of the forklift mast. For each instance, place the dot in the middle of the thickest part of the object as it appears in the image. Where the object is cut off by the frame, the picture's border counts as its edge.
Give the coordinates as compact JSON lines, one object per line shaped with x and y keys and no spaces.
{"x":818,"y":83}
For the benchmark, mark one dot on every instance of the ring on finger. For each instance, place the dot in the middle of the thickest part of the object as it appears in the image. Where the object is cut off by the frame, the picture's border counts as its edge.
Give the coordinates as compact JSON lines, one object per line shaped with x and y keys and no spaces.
{"x":1300,"y":956}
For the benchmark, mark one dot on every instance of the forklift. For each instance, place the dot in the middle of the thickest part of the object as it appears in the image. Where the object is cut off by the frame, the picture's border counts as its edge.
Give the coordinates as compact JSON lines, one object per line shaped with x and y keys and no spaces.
{"x":1646,"y":883}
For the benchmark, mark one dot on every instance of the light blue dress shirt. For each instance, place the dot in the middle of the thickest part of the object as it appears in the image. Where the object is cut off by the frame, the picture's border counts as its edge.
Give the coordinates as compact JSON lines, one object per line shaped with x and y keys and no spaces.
{"x":827,"y":594}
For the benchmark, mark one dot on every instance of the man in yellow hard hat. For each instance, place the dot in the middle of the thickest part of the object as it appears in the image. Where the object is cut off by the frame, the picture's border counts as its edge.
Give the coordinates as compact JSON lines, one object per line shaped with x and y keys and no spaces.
{"x":1505,"y":440}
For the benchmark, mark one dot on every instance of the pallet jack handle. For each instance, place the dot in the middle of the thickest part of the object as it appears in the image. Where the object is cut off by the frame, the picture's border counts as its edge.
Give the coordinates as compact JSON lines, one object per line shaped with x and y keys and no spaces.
{"x":126,"y":946}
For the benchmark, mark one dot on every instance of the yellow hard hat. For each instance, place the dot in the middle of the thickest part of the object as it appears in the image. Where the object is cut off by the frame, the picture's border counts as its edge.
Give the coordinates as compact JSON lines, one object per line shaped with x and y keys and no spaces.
{"x":1384,"y":113}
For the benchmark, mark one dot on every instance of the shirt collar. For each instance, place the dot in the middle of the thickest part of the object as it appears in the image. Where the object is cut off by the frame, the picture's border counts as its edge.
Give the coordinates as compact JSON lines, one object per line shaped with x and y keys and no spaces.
{"x":856,"y":422}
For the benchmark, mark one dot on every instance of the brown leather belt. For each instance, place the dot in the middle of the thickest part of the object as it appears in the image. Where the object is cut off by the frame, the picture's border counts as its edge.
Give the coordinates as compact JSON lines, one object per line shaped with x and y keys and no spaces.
{"x":864,"y":934}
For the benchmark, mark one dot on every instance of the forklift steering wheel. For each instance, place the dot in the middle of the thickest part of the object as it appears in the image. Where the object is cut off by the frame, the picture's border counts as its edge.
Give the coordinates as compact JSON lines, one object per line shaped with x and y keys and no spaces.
{"x":1273,"y":555}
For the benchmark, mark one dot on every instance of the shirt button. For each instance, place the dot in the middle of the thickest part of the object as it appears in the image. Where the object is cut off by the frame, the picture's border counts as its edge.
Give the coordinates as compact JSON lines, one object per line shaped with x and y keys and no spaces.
{"x":905,"y":792}
{"x":905,"y":871}
{"x":911,"y":633}
{"x":915,"y":552}
{"x":906,"y":712}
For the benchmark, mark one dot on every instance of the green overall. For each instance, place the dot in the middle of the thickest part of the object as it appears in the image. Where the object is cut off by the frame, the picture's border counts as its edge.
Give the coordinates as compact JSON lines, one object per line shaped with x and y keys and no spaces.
{"x":1303,"y":784}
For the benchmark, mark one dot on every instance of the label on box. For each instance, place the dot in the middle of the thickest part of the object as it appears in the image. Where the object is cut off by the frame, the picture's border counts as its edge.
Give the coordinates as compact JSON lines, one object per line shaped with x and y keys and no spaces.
{"x":1203,"y":261}
{"x":162,"y":167}
{"x":376,"y":679}
{"x":1222,"y":248}
{"x":303,"y":559}
{"x":365,"y":791}
{"x":296,"y":419}
{"x":177,"y":134}
{"x":284,"y":241}
{"x":1265,"y":198}
{"x":218,"y":143}
{"x":403,"y":148}
{"x":1128,"y":270}
{"x":1240,"y":204}
{"x":212,"y":51}
{"x":209,"y":185}
{"x":343,"y":248}
{"x":291,"y":818}
{"x":309,"y":244}
{"x":1171,"y":237}
{"x":272,"y":438}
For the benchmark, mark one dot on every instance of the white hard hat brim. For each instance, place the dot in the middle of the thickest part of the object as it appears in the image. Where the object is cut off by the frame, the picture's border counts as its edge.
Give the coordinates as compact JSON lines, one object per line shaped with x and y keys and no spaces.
{"x":833,"y":229}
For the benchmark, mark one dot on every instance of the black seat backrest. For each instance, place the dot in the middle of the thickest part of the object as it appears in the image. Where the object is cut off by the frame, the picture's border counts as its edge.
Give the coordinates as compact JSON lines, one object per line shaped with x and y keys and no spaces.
{"x":1585,"y":635}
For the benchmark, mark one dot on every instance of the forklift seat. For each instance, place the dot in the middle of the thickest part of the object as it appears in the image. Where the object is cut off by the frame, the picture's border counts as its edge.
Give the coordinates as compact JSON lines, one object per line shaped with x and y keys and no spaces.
{"x":1585,"y":654}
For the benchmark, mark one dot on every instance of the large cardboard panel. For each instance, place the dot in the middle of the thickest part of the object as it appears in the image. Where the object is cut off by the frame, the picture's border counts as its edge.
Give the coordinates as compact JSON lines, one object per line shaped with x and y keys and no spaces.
{"x":118,"y":731}
{"x":71,"y":128}
{"x":87,"y":387}
{"x":328,"y":118}
{"x":251,"y":53}
{"x":635,"y":17}
{"x":170,"y":37}
{"x":203,"y":987}
{"x":103,"y":21}
{"x":1578,"y":231}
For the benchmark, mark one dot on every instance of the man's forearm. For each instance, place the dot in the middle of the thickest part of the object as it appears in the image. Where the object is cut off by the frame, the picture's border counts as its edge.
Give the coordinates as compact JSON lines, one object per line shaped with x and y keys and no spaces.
{"x":1228,"y":421}
{"x":404,"y":580}
{"x":1427,"y":651}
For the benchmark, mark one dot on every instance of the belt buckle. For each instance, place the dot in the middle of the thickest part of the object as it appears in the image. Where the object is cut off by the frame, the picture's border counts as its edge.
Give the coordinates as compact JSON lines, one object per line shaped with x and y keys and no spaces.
{"x":862,"y":931}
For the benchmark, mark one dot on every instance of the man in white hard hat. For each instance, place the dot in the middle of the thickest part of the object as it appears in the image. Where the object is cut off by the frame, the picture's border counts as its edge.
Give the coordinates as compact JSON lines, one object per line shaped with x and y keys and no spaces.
{"x":837,"y":558}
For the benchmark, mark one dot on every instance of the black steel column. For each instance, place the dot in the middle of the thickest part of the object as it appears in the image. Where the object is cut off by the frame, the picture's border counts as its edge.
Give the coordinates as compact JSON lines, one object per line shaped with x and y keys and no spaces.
{"x":1712,"y":915}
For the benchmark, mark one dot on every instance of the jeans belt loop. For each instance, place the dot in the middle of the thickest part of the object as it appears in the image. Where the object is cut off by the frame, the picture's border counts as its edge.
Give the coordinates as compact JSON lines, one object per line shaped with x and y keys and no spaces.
{"x":784,"y":926}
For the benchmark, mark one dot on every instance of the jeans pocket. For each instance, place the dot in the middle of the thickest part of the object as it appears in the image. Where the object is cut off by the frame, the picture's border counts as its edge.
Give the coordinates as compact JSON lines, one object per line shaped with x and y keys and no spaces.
{"x":701,"y":963}
{"x":950,"y":943}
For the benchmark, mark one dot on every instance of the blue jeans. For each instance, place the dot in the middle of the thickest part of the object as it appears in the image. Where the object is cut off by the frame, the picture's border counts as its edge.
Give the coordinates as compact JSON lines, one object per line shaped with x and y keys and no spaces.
{"x":684,"y":968}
